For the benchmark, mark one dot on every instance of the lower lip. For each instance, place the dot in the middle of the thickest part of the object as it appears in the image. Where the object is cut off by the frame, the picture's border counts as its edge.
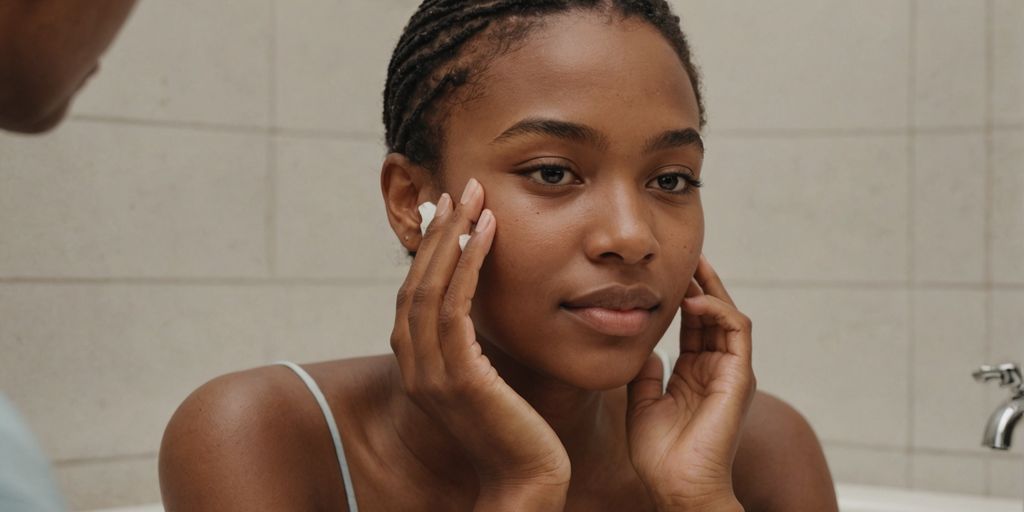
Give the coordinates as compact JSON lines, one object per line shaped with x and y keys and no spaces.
{"x":613,"y":322}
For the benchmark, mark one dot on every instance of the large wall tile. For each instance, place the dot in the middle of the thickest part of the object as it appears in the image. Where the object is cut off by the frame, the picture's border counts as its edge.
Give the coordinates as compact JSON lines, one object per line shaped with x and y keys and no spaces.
{"x":324,"y":323}
{"x":103,"y":484}
{"x":1007,"y":326}
{"x":867,"y":465}
{"x":1008,"y":61}
{"x":949,"y":58}
{"x":1006,"y":477}
{"x":116,"y":361}
{"x":949,"y":407}
{"x":190,"y":60}
{"x":807,"y":208}
{"x":838,"y":355}
{"x":101,"y":200}
{"x":331,"y":219}
{"x":811,"y":64}
{"x":332,"y":60}
{"x":1008,"y":206}
{"x":948,"y":473}
{"x":949,"y":208}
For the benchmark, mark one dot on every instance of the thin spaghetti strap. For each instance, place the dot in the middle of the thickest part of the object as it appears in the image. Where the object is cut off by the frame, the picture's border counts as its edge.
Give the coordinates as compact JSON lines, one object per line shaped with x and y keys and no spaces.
{"x":332,"y":426}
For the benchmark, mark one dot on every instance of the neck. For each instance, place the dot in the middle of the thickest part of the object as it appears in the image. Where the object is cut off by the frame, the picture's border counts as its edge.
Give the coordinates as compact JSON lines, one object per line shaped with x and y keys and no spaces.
{"x":582,"y":419}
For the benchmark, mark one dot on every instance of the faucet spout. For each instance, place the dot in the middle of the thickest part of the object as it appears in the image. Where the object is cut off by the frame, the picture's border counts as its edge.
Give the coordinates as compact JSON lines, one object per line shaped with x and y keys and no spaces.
{"x":999,"y":430}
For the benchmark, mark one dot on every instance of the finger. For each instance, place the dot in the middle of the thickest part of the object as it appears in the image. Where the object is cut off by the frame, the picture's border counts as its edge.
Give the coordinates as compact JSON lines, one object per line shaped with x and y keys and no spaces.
{"x":691,"y":327}
{"x":430,"y":292}
{"x":401,"y":337}
{"x":457,"y":334}
{"x":736,"y":325}
{"x":710,"y":281}
{"x":646,"y":387}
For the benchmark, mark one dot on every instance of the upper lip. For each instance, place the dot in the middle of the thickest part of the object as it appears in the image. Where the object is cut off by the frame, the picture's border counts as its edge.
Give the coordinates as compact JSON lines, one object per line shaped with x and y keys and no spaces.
{"x":618,"y":297}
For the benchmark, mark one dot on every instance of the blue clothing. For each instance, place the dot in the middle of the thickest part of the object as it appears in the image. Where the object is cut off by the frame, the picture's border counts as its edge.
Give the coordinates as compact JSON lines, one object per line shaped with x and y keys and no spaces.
{"x":336,"y":435}
{"x":26,"y":483}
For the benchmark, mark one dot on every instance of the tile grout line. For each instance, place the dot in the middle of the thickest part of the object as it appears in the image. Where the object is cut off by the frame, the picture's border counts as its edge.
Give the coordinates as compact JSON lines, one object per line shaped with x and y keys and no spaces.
{"x":989,"y":184}
{"x":313,"y":133}
{"x":272,"y":160}
{"x":912,"y":205}
{"x":926,"y":450}
{"x":341,"y":280}
{"x":84,"y":461}
{"x":205,"y":281}
{"x":270,"y":219}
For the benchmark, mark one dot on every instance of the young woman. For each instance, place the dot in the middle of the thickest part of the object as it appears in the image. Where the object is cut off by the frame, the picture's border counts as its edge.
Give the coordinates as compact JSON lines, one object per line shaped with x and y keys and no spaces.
{"x":523,"y":376}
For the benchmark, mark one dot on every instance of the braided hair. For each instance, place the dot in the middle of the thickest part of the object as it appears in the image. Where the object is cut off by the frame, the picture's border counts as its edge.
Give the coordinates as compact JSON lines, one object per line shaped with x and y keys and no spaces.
{"x":430,"y":60}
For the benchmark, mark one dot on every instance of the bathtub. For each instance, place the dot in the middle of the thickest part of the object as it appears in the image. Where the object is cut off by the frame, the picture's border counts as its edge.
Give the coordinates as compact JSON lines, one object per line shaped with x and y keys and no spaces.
{"x":863,"y":498}
{"x":852,"y":498}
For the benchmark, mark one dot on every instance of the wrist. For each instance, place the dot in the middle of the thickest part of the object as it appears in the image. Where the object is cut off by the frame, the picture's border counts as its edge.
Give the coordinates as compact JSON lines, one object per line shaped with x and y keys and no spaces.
{"x":532,"y":497}
{"x":723,"y":503}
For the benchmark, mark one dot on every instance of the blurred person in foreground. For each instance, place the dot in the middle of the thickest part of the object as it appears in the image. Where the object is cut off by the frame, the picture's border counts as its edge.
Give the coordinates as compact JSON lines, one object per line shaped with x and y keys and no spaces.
{"x":48,"y":49}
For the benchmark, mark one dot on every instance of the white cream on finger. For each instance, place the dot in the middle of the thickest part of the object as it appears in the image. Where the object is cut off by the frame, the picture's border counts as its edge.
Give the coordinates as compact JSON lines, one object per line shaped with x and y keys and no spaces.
{"x":427,"y":212}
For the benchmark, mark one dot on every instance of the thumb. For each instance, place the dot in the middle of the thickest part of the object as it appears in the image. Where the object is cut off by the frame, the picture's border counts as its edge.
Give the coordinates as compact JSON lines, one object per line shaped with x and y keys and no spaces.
{"x":646,"y":387}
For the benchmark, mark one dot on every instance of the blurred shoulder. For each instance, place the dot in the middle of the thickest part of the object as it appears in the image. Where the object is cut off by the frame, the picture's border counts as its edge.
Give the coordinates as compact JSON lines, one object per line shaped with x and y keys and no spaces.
{"x":780,"y":464}
{"x":260,"y":435}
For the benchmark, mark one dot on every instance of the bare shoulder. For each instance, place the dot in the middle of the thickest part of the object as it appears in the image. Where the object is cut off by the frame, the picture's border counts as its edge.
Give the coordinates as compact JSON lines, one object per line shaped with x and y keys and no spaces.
{"x":252,"y":440}
{"x":780,"y":464}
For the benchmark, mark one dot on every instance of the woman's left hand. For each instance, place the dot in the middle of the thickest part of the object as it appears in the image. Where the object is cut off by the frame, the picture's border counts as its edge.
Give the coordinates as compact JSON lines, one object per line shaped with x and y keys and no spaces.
{"x":683,"y":442}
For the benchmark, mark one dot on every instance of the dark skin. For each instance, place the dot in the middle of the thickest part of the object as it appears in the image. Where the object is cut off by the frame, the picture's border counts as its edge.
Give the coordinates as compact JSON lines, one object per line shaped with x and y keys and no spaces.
{"x":48,"y":49}
{"x":255,"y":440}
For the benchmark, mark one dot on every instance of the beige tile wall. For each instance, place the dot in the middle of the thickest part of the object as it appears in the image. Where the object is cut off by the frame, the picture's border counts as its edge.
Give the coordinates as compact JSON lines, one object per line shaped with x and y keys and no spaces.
{"x":213,"y":205}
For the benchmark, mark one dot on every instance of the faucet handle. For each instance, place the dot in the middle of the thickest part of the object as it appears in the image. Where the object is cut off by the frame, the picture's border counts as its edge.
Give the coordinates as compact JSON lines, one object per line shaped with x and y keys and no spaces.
{"x":1008,"y":374}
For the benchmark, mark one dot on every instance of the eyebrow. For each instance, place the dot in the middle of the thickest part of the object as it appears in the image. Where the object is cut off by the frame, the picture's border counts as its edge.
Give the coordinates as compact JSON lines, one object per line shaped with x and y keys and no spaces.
{"x":581,"y":133}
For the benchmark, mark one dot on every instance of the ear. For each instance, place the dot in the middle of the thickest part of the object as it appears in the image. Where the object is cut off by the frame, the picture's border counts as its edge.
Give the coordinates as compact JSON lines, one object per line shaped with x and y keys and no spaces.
{"x":405,"y":186}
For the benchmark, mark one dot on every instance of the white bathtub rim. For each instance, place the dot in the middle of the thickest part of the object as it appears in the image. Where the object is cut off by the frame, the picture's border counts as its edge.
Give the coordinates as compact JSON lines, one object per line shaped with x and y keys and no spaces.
{"x":852,"y":497}
{"x":856,"y":497}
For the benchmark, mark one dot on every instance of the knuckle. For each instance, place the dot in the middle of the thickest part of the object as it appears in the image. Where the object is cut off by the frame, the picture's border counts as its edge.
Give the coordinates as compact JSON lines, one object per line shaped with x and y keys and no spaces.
{"x":746,"y":322}
{"x":464,"y":263}
{"x":396,"y":342}
{"x":449,"y":311}
{"x":403,"y":297}
{"x":415,"y":317}
{"x":421,"y":294}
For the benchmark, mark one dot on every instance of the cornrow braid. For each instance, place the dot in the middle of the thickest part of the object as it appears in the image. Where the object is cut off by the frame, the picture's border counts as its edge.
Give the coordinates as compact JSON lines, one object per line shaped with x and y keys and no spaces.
{"x":428,"y":64}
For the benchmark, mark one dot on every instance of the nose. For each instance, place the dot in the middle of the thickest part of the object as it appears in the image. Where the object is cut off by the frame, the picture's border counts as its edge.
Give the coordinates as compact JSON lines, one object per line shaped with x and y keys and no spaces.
{"x":620,"y":229}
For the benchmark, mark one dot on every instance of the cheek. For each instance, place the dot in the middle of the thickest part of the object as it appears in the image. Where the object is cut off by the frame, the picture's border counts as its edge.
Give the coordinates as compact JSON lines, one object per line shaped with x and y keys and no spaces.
{"x":523,"y":253}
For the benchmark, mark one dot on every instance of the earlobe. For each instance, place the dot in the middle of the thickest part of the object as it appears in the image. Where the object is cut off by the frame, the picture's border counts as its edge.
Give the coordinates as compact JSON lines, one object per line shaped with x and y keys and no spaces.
{"x":405,"y":186}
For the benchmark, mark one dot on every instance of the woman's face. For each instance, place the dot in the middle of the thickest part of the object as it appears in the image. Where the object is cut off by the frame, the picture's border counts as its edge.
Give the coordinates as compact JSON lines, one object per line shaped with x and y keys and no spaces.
{"x":569,"y":137}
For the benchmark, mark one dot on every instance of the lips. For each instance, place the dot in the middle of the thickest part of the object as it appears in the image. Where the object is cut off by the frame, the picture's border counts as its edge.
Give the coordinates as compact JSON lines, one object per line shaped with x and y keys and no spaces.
{"x":617,"y":297}
{"x":615,"y":310}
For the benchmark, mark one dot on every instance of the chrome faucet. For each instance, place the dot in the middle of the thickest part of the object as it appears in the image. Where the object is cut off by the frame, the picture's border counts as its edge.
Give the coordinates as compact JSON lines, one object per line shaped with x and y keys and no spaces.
{"x":1000,"y":425}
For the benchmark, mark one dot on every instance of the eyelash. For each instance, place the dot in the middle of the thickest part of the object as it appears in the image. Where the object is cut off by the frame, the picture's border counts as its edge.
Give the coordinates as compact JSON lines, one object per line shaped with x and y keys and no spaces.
{"x":691,"y":182}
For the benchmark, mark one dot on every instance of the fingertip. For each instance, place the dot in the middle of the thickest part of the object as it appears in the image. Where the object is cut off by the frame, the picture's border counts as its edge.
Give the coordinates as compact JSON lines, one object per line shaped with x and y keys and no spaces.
{"x":444,"y":204}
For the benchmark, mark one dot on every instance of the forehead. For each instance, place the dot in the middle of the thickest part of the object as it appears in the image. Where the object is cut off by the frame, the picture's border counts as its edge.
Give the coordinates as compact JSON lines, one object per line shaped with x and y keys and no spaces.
{"x":620,"y":76}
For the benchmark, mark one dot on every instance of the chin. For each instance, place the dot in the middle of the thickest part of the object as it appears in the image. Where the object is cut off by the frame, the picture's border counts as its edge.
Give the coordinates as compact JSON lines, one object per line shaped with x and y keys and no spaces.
{"x":585,"y":363}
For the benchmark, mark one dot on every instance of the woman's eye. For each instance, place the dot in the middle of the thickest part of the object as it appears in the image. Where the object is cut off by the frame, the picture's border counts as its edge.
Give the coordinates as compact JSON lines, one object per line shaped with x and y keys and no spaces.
{"x":677,"y":183}
{"x":551,"y":174}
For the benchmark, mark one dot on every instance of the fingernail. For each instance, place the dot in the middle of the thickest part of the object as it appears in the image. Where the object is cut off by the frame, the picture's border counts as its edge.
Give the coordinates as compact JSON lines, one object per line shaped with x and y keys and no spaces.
{"x":471,"y":190}
{"x":485,"y":221}
{"x":444,"y":205}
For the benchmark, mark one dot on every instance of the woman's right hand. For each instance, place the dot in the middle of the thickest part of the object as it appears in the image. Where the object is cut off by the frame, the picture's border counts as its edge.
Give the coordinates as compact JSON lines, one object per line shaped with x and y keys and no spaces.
{"x":444,"y":370}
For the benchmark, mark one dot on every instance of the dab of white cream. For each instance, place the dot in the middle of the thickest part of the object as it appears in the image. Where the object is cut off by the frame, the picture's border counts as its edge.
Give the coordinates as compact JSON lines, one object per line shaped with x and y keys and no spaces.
{"x":427,"y":211}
